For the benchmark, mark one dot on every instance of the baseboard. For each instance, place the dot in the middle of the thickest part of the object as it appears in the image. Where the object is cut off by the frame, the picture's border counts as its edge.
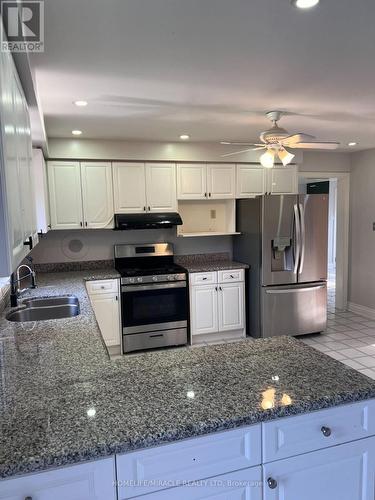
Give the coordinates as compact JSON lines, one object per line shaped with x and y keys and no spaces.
{"x":367,"y":312}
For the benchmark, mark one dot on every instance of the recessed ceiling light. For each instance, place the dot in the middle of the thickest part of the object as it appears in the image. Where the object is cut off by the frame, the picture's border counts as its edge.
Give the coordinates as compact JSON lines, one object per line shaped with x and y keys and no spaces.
{"x":305,"y":4}
{"x":352,"y":144}
{"x":76,"y":132}
{"x":81,"y":103}
{"x":184,"y":137}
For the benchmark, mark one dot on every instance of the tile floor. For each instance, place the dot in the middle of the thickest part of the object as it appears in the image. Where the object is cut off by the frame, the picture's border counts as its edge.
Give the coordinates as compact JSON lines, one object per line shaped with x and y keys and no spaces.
{"x":349,"y":338}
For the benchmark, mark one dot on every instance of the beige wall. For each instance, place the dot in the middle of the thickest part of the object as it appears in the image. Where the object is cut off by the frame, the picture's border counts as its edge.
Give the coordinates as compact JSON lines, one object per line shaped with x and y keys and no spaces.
{"x":362,"y":236}
{"x":152,"y":151}
{"x":320,"y":161}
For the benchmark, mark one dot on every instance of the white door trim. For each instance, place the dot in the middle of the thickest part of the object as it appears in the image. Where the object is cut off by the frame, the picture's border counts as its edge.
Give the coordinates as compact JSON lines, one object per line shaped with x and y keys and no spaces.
{"x":342,"y":230}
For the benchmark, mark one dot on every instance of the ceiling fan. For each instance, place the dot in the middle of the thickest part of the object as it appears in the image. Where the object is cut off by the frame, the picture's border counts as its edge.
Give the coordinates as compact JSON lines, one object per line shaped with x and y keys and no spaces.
{"x":275,"y":141}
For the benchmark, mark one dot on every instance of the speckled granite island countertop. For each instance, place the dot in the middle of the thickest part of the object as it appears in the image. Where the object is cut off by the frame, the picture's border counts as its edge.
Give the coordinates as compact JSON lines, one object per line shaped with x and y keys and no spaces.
{"x":200,"y":263}
{"x":63,"y":401}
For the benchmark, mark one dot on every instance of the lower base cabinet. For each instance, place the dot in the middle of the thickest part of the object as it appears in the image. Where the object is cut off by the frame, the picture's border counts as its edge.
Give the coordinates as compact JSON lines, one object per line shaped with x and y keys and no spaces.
{"x":344,"y":472}
{"x":90,"y":481}
{"x":242,"y":485}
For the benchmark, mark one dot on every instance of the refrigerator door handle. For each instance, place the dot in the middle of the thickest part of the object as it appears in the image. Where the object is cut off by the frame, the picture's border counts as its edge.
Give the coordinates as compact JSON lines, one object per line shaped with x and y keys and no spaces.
{"x":297,"y":223}
{"x":295,"y":290}
{"x":303,"y":237}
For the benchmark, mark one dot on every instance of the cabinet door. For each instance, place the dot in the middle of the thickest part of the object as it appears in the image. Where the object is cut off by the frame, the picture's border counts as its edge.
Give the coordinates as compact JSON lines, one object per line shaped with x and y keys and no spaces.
{"x":221,"y":181}
{"x":231,"y":306}
{"x":161,"y":187}
{"x":241,"y":485}
{"x":344,"y":472}
{"x":64,"y":180}
{"x":93,"y":480}
{"x":97,"y":195}
{"x":251,"y":181}
{"x":191,"y":181}
{"x":41,"y":191}
{"x":129,"y":186}
{"x":283,"y":180}
{"x":204,"y":317}
{"x":107,"y":313}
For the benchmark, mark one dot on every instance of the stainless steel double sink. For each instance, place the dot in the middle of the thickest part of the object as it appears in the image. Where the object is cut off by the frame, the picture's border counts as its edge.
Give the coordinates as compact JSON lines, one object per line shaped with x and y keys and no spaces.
{"x":41,"y":309}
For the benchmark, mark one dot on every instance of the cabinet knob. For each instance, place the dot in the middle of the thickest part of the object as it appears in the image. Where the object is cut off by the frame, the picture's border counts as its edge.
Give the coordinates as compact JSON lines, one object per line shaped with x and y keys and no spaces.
{"x":144,"y":209}
{"x":205,"y":195}
{"x":326,"y":431}
{"x":209,"y":194}
{"x":149,"y":209}
{"x":272,"y":483}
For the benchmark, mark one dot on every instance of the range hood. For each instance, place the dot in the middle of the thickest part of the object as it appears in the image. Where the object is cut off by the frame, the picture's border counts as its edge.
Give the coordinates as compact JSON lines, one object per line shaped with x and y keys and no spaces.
{"x":147,"y":221}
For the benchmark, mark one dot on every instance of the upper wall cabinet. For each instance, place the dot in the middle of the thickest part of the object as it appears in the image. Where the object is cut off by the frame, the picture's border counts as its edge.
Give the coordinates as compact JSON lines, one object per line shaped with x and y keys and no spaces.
{"x":17,"y":208}
{"x":81,"y":195}
{"x":140,"y":187}
{"x":97,"y":195}
{"x":197,"y":181}
{"x":282,"y":180}
{"x":251,"y":181}
{"x":43,"y":220}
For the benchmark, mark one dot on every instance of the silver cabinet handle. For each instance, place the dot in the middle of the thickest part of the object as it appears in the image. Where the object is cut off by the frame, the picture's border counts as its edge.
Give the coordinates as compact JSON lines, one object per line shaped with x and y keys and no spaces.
{"x":326,"y":431}
{"x":272,"y":483}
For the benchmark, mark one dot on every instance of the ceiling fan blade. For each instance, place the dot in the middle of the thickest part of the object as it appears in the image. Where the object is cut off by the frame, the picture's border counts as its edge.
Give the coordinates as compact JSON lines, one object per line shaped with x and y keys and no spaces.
{"x":239,"y":152}
{"x":295,"y":138}
{"x":315,"y":145}
{"x":227,"y":143}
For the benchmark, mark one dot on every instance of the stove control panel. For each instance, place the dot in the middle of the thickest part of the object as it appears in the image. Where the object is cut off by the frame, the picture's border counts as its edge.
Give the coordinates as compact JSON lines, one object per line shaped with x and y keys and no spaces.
{"x":157,"y":278}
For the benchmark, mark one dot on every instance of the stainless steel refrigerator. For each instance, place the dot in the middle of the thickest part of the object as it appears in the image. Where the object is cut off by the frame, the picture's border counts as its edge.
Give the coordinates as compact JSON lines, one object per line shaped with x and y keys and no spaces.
{"x":284,"y":239}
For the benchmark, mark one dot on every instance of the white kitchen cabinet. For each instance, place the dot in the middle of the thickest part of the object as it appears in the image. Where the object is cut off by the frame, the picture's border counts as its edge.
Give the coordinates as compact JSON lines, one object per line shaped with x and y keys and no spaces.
{"x":240,"y":485}
{"x":17,"y":213}
{"x":89,"y":481}
{"x":64,"y":180}
{"x":199,"y":181}
{"x":218,"y":306}
{"x":251,"y":181}
{"x":161,"y":187}
{"x":221,"y":181}
{"x":344,"y":472}
{"x":145,"y":471}
{"x":282,"y":180}
{"x":104,"y":296}
{"x":81,"y":195}
{"x":191,"y":181}
{"x":140,"y":187}
{"x":43,"y":220}
{"x":97,"y":194}
{"x":204,"y":317}
{"x":129,"y":187}
{"x":231,"y":306}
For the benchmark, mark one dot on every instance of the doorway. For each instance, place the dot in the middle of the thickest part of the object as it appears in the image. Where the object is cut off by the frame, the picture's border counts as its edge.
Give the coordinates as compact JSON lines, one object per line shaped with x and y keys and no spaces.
{"x":337,"y":186}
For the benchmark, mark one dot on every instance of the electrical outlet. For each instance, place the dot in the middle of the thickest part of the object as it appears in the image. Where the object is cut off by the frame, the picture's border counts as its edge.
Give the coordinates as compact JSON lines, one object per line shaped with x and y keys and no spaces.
{"x":213,"y":215}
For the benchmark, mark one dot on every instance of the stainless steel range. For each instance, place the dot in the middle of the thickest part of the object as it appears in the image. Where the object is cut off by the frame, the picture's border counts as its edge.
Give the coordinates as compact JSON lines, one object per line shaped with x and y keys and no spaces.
{"x":154,"y":300}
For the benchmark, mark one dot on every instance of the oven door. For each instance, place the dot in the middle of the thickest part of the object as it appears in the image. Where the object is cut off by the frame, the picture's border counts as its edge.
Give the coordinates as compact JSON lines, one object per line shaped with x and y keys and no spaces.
{"x":152,"y":307}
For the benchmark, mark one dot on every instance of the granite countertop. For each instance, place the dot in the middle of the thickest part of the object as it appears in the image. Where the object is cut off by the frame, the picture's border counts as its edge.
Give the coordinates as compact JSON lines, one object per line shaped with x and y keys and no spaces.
{"x":63,"y":401}
{"x":214,"y":265}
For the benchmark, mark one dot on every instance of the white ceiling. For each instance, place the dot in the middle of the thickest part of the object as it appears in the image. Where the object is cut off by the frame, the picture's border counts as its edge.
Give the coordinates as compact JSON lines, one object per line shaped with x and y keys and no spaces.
{"x":153,"y":69}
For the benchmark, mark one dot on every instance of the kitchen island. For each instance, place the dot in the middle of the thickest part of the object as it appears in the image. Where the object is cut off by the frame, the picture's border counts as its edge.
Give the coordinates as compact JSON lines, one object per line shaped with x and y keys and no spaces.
{"x":64,"y":402}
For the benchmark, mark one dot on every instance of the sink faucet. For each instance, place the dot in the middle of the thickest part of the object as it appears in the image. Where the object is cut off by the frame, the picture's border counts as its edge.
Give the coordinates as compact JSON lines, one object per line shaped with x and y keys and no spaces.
{"x":15,"y":279}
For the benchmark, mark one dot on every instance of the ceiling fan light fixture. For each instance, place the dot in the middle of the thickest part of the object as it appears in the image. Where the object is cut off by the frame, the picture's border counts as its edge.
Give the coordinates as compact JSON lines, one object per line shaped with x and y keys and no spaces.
{"x":267,"y":159}
{"x":305,"y":4}
{"x":285,"y":156}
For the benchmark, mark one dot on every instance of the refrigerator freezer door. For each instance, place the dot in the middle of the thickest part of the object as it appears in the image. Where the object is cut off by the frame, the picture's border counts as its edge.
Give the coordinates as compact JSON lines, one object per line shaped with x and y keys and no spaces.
{"x":279,"y":249}
{"x":294,"y":310}
{"x":314,"y":237}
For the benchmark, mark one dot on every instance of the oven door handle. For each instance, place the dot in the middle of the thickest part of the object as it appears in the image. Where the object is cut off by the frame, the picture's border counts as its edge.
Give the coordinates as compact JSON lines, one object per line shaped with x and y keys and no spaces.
{"x":143,"y":288}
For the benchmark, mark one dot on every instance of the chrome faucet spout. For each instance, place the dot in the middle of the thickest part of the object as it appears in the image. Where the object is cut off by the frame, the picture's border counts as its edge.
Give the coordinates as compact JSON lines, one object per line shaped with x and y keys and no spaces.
{"x":15,"y":279}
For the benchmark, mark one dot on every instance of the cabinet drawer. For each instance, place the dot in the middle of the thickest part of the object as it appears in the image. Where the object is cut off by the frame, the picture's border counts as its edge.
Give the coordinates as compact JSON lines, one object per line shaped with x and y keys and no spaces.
{"x":193,"y":459}
{"x":231,"y":275}
{"x":241,"y":485}
{"x":93,"y":480}
{"x":203,"y":278}
{"x":291,"y":436}
{"x":102,"y":286}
